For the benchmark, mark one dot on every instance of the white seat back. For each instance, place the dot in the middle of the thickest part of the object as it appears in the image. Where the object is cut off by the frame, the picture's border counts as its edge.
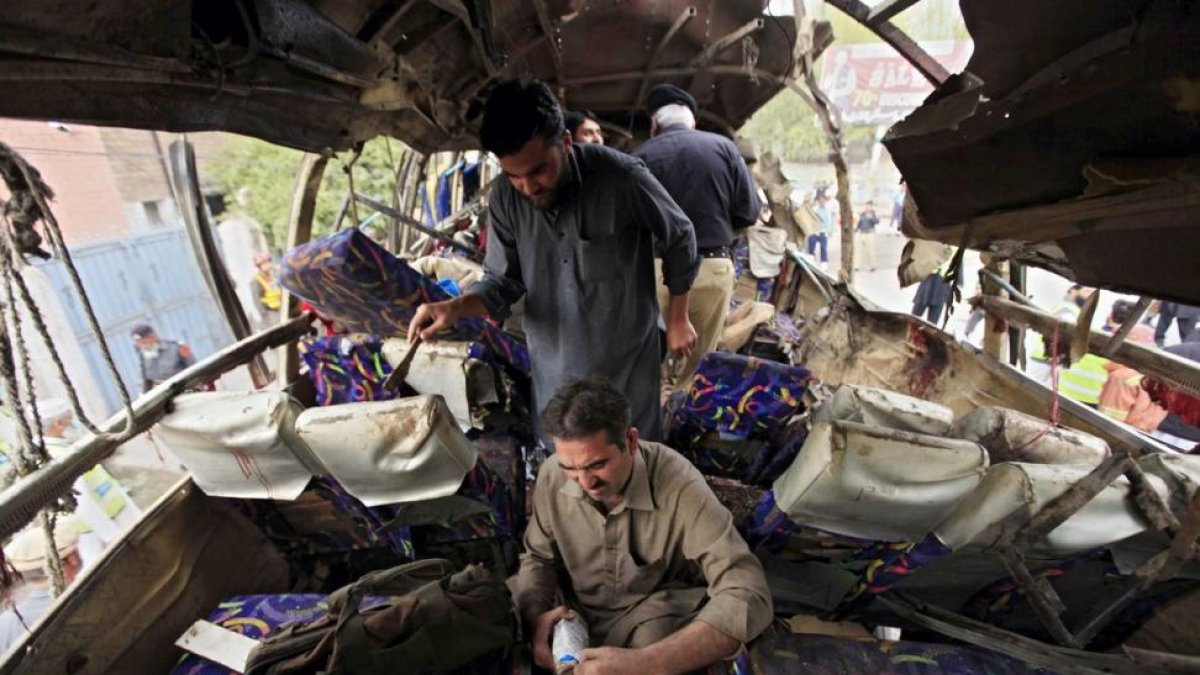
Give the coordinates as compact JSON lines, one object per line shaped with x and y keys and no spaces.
{"x":387,"y":452}
{"x":877,"y":483}
{"x":1013,"y":492}
{"x":446,"y":369}
{"x":240,"y":444}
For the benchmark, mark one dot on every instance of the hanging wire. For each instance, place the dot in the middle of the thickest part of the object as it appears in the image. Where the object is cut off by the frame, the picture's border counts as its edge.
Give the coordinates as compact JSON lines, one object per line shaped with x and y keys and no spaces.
{"x":40,"y":193}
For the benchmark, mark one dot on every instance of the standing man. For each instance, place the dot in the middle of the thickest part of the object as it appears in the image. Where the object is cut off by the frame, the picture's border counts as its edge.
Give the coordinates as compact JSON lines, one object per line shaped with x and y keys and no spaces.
{"x":632,"y":538}
{"x":102,"y":505}
{"x":1185,"y":317}
{"x":264,"y":288}
{"x":705,"y":174}
{"x":160,"y":359}
{"x":574,"y":230}
{"x":31,"y":600}
{"x":584,"y":127}
{"x":824,"y":230}
{"x":864,"y":233}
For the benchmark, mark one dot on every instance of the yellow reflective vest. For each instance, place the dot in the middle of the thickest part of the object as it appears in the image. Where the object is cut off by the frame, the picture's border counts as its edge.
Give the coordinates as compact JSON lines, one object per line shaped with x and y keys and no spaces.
{"x":272,"y":295}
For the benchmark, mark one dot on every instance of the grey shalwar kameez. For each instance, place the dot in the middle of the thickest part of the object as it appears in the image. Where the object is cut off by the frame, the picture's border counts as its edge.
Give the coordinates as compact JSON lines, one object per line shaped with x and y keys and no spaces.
{"x":586,"y":268}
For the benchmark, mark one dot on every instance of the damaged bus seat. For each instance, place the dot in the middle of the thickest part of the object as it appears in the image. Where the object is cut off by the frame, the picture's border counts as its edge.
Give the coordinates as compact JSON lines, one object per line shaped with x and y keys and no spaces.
{"x":1013,"y":492}
{"x":1012,"y":436}
{"x":356,"y":282}
{"x":456,"y":371}
{"x":240,"y":444}
{"x":883,"y":408}
{"x":877,"y":483}
{"x":736,"y":421}
{"x":389,"y":452}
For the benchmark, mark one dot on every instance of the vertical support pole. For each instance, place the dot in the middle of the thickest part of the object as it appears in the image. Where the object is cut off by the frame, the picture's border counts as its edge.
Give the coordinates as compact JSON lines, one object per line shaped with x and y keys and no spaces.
{"x":1016,"y":334}
{"x":994,"y":334}
{"x":830,"y":119}
{"x":300,"y":220}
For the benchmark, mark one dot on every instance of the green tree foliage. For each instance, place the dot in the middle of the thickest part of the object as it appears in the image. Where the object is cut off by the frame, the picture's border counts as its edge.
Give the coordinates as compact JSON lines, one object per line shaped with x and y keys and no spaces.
{"x":787,"y":127}
{"x":269,"y":173}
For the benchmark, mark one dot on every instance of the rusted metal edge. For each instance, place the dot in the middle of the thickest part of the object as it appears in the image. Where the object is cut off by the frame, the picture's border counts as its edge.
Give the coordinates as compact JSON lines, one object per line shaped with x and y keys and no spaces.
{"x":685,"y":16}
{"x":386,"y":210}
{"x":920,"y":59}
{"x":185,"y":181}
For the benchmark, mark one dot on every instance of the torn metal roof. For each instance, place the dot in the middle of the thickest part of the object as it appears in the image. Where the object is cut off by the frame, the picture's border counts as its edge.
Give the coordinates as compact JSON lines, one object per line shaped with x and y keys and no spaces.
{"x":325,"y":73}
{"x":1070,"y":143}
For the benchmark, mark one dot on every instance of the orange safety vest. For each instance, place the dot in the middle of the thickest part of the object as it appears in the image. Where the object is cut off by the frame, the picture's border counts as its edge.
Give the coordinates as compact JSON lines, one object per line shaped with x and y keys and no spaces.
{"x":1123,"y":398}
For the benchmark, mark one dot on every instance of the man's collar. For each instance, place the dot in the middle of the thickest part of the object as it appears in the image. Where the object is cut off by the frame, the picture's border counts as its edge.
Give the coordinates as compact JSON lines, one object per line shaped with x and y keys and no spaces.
{"x":672,"y":128}
{"x":637,"y":496}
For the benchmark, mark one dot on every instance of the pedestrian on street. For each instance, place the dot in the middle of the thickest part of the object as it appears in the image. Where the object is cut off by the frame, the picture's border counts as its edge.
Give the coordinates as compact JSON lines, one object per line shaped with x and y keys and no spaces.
{"x":864,"y":234}
{"x":160,"y":359}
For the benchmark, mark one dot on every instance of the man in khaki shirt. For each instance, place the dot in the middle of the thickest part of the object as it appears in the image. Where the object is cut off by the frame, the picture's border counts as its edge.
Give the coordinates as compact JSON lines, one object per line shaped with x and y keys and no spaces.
{"x":637,"y":542}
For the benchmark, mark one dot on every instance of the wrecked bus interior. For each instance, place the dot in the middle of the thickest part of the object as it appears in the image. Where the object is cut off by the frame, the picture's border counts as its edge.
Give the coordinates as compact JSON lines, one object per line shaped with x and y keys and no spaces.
{"x":886,"y":474}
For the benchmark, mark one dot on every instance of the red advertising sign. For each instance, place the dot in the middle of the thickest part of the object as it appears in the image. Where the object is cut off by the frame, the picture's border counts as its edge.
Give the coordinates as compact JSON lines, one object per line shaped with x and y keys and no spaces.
{"x":872,"y":84}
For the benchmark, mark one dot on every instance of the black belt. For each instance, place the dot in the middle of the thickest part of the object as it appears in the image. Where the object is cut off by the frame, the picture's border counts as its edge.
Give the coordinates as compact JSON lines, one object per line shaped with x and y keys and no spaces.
{"x":716,"y":252}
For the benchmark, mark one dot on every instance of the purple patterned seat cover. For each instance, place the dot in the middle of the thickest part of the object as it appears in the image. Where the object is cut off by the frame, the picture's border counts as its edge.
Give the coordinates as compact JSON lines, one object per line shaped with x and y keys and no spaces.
{"x":356,"y":282}
{"x":750,"y":400}
{"x":743,"y":395}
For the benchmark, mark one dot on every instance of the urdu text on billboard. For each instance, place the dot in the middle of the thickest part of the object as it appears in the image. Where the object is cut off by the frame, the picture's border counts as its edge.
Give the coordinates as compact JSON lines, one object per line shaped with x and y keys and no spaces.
{"x":872,"y":84}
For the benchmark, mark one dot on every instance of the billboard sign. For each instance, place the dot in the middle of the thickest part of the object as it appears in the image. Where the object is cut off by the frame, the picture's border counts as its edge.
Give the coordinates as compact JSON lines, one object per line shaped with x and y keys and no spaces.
{"x":870,"y":83}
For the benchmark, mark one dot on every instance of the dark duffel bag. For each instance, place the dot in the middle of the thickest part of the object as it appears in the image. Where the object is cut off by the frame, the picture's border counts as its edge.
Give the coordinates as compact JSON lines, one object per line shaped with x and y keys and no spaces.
{"x":432,"y":620}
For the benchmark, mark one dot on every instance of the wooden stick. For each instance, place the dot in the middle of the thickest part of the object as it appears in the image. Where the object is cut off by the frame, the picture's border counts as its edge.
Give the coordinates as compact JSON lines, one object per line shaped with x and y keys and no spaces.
{"x":1179,"y":372}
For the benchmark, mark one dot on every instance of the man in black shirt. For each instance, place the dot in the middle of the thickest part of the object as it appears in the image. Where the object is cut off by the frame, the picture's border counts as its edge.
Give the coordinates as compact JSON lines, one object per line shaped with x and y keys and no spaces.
{"x":706,"y":175}
{"x":864,"y":234}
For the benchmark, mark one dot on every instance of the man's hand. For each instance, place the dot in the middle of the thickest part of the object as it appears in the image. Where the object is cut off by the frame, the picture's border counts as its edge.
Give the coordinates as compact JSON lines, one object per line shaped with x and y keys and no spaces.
{"x":681,"y":337}
{"x":432,"y":318}
{"x":543,"y":629}
{"x":610,"y":661}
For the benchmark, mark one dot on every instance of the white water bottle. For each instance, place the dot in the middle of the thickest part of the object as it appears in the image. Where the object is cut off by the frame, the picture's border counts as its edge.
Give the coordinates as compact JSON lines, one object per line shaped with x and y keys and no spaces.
{"x":570,"y":639}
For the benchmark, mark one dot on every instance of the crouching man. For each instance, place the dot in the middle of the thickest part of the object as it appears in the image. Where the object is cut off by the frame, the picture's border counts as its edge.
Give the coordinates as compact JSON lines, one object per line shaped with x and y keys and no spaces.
{"x":637,"y":542}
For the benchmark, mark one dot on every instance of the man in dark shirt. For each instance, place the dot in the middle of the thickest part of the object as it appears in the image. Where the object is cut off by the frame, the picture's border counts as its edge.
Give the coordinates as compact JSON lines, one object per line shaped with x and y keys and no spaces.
{"x":574,"y":230}
{"x":160,"y":359}
{"x":864,"y":234}
{"x":707,"y":177}
{"x":584,"y":127}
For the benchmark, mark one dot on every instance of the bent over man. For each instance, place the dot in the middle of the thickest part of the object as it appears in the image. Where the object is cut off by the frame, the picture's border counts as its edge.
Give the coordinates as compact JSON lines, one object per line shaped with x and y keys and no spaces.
{"x":574,"y":230}
{"x":632,"y":536}
{"x":707,"y":177}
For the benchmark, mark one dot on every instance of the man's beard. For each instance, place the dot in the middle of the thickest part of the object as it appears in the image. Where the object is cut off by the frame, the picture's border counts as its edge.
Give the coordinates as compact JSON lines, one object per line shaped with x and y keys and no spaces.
{"x":543,"y":201}
{"x":549,"y":198}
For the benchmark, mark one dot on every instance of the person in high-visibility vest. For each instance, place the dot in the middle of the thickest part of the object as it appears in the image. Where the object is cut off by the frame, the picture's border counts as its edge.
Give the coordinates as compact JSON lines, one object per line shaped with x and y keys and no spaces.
{"x":1084,"y":381}
{"x":264,"y":288}
{"x":103,"y":507}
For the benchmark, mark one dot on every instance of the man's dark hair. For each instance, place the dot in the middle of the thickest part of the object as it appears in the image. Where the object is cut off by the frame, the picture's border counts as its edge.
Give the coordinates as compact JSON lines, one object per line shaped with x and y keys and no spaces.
{"x":576,"y":118}
{"x":518,"y":111}
{"x":583,"y":407}
{"x":1121,"y":310}
{"x":1074,"y":288}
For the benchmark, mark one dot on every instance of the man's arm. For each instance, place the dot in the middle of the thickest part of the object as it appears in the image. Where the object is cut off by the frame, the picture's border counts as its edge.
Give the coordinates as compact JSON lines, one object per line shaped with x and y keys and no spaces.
{"x":501,"y":286}
{"x":654,"y":209}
